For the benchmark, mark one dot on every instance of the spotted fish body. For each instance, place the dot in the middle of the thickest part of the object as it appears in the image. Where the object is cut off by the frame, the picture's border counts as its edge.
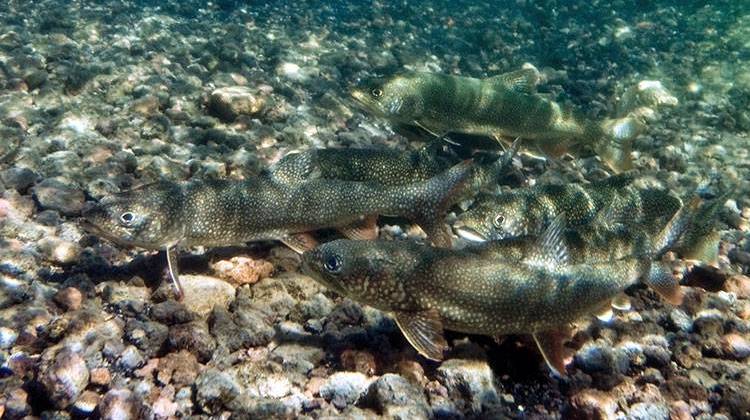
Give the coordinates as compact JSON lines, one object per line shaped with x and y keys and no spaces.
{"x":214,"y":213}
{"x":502,"y":106}
{"x":528,"y":211}
{"x":387,"y":167}
{"x":384,"y":166}
{"x":428,"y":289}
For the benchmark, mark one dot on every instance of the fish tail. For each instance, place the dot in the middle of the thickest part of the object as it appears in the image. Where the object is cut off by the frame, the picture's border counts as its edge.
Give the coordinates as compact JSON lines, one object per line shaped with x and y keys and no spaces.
{"x":616,"y":141}
{"x":437,"y":196}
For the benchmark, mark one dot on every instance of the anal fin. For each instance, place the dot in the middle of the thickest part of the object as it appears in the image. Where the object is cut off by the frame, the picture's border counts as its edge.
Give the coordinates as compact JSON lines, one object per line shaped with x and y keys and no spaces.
{"x":364,"y":229}
{"x":174,"y":270}
{"x":424,"y":331}
{"x":551,"y":345}
{"x":300,"y":242}
{"x":661,"y":280}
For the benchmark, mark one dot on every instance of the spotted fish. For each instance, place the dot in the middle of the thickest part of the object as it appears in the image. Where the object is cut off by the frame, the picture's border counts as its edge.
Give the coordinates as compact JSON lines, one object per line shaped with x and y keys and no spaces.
{"x":503,"y":107}
{"x":169,"y":215}
{"x":528,"y":211}
{"x":430,"y":289}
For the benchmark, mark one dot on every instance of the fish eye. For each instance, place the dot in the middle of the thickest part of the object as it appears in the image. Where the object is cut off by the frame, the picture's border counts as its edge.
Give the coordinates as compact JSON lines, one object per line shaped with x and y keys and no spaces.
{"x":498,"y":221}
{"x":377,"y":92}
{"x":333,"y":264}
{"x":127,"y":218}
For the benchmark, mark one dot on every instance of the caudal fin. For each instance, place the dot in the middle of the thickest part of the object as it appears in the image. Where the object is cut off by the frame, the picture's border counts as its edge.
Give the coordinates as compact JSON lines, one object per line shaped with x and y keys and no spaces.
{"x":436,"y":196}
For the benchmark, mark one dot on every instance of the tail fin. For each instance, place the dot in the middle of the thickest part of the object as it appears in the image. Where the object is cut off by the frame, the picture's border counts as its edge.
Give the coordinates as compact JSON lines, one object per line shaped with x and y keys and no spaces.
{"x":701,"y":241}
{"x":436,"y":196}
{"x":617,"y":142}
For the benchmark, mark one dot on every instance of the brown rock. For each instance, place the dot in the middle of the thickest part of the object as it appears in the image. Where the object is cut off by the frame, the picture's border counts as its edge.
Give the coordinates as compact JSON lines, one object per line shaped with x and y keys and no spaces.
{"x":358,"y":361}
{"x":243,"y":270}
{"x":179,"y":368}
{"x":69,"y":298}
{"x":592,"y":404}
{"x":412,"y":371}
{"x":739,"y":285}
{"x":228,"y":103}
{"x":680,"y":410}
{"x":100,"y":376}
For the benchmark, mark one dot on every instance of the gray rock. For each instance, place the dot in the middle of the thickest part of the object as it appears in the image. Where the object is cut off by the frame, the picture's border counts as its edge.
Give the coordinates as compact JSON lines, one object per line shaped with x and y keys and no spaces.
{"x":8,"y":337}
{"x":228,"y":103}
{"x":131,"y":359}
{"x":471,"y":380}
{"x":63,"y":162}
{"x":66,"y":378}
{"x":648,"y":411}
{"x":395,"y":397}
{"x":18,"y":178}
{"x":203,"y":293}
{"x":58,"y":194}
{"x":214,"y":390}
{"x":680,"y":320}
{"x":597,"y":357}
{"x":297,"y":358}
{"x":242,"y":329}
{"x":344,"y":388}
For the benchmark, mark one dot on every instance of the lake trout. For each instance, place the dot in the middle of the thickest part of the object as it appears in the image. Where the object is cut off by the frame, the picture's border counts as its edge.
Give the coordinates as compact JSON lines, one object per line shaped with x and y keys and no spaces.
{"x":502,"y":107}
{"x":430,"y":289}
{"x":169,"y":215}
{"x":528,"y":211}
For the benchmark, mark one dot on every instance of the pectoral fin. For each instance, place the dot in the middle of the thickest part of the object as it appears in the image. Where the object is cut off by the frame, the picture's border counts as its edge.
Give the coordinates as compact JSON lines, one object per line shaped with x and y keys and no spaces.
{"x":174,"y":271}
{"x":551,"y":345}
{"x":300,"y":242}
{"x":551,"y":251}
{"x":521,"y":81}
{"x":364,"y":229}
{"x":661,"y":280}
{"x":621,"y":302}
{"x":424,"y":331}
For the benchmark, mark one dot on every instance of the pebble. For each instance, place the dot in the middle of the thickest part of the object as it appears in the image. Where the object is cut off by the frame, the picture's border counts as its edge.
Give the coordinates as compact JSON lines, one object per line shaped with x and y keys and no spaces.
{"x":592,"y":404}
{"x":100,"y":376}
{"x":66,"y":378}
{"x":739,"y":285}
{"x":214,"y":389}
{"x":119,"y":404}
{"x":203,"y":293}
{"x":69,"y":298}
{"x":648,"y":411}
{"x":86,"y":403}
{"x":228,"y":103}
{"x":395,"y":397}
{"x":242,"y":270}
{"x":344,"y":388}
{"x":358,"y":361}
{"x":180,"y":368}
{"x":472,"y":380}
{"x":57,"y":194}
{"x":130,"y":359}
{"x":735,"y":346}
{"x":193,"y":337}
{"x":16,"y":404}
{"x":680,"y":320}
{"x":18,"y":178}
{"x":8,"y":337}
{"x":60,"y":251}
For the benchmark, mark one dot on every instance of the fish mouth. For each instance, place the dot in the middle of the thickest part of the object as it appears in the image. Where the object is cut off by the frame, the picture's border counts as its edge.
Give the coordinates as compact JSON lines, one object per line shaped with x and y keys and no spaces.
{"x":469,"y":234}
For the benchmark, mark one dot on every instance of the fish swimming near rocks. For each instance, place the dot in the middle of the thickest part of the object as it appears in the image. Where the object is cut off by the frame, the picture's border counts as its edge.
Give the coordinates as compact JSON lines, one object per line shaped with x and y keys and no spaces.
{"x":613,"y":214}
{"x":430,"y":289}
{"x":169,"y":215}
{"x":529,"y":210}
{"x":505,"y":107}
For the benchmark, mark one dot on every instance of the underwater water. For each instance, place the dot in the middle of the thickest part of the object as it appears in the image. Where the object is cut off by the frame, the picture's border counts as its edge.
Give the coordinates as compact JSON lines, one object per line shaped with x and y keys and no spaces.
{"x":262,"y":129}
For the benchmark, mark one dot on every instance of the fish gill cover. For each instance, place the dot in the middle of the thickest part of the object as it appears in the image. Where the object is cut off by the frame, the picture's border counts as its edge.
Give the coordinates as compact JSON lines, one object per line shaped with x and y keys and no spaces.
{"x":103,"y":98}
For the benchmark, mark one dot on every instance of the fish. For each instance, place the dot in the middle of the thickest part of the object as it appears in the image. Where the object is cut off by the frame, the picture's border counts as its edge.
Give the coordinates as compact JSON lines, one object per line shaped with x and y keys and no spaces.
{"x":171,"y":215}
{"x":505,"y":106}
{"x":528,"y":211}
{"x":390,"y":167}
{"x":429,"y":289}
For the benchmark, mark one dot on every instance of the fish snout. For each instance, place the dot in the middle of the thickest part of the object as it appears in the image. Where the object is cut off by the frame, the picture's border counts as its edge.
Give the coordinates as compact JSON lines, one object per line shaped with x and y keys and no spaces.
{"x":468,"y":233}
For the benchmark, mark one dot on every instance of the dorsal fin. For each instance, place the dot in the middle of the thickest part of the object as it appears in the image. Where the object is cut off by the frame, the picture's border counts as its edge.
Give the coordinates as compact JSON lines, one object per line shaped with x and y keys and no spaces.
{"x":521,"y":81}
{"x":550,"y":251}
